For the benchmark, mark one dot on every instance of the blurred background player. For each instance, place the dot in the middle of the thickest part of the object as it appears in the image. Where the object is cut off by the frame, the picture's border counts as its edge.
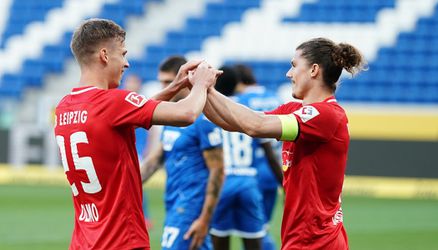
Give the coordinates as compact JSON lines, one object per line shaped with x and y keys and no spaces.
{"x":268,"y":154}
{"x":240,"y":208}
{"x":133,"y":83}
{"x":193,"y":160}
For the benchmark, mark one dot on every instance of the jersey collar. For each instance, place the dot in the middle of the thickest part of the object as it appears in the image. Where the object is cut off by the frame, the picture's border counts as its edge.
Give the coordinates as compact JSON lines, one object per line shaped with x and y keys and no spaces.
{"x":80,"y":90}
{"x":330,"y":99}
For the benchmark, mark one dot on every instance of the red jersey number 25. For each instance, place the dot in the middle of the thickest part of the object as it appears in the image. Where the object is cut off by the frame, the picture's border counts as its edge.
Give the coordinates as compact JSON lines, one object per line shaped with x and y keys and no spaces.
{"x":84,"y":163}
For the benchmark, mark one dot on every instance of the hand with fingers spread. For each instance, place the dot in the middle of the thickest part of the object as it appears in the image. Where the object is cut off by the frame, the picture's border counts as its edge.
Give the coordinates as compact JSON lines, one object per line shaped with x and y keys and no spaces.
{"x":197,"y":232}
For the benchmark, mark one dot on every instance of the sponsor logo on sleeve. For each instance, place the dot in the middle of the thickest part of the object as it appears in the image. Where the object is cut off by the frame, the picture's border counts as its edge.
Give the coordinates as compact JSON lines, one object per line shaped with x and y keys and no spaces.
{"x":306,"y":113}
{"x":136,"y":99}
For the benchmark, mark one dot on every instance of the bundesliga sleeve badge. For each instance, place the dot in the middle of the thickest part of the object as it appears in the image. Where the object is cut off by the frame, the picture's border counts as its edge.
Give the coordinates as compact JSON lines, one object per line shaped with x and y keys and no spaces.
{"x":307,"y":113}
{"x":136,"y":99}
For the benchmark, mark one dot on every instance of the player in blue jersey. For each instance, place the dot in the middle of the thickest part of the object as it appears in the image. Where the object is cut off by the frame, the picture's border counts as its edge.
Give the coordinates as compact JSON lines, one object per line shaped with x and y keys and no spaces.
{"x":267,"y":155}
{"x":194,"y":165}
{"x":240,"y":208}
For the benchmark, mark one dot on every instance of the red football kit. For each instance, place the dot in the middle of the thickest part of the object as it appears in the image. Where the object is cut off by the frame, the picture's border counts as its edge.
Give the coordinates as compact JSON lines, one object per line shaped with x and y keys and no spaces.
{"x":95,"y":133}
{"x":314,"y":167}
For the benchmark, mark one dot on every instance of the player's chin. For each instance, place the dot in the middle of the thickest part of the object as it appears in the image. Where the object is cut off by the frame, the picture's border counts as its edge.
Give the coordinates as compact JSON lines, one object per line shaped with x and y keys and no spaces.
{"x":296,"y":95}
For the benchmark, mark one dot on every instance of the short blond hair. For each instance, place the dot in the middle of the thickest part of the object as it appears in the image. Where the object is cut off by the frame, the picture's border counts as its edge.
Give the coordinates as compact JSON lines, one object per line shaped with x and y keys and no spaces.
{"x":90,"y":34}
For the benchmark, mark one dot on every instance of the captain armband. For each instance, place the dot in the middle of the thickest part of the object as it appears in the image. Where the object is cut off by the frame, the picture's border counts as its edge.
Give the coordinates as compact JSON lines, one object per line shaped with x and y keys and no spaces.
{"x":289,"y":127}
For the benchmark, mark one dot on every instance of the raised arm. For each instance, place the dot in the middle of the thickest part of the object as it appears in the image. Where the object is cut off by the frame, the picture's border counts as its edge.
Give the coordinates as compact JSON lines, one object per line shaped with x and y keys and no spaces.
{"x":185,"y":111}
{"x":199,"y":228}
{"x":236,"y":117}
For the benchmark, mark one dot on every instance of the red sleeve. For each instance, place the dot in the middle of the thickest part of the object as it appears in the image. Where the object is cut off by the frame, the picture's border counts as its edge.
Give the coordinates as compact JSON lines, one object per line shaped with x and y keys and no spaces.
{"x":318,"y":122}
{"x":130,"y":108}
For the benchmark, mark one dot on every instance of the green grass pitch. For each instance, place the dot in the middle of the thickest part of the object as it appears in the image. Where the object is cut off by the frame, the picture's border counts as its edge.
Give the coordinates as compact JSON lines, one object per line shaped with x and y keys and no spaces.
{"x":41,"y":217}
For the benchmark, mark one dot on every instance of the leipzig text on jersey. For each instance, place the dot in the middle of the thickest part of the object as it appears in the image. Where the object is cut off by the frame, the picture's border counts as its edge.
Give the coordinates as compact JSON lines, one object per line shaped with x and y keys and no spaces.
{"x":72,"y":117}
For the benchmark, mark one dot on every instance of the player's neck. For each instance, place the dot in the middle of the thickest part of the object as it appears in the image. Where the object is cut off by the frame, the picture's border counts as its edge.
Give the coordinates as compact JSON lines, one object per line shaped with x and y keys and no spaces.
{"x":90,"y":78}
{"x":317,"y":95}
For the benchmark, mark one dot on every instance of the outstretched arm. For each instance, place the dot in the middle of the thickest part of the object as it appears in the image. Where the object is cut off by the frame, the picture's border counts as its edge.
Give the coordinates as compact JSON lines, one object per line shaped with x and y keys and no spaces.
{"x":199,"y":228}
{"x":236,"y":117}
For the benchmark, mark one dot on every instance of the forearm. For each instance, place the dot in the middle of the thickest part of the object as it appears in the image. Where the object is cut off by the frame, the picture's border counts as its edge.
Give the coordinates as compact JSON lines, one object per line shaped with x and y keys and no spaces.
{"x":213,"y":116}
{"x":147,"y":171}
{"x":152,"y":163}
{"x":236,"y":117}
{"x":194,"y":103}
{"x":276,"y":169}
{"x":214,"y":185}
{"x":273,"y":161}
{"x":167,"y":93}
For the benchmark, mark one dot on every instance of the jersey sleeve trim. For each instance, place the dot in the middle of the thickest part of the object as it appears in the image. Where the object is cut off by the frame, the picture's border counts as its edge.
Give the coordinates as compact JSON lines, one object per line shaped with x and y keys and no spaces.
{"x":289,"y":127}
{"x":151,"y":105}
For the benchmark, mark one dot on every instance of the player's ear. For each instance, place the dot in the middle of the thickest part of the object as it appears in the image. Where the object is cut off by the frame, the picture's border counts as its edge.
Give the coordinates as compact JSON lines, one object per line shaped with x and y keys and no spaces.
{"x":314,"y":70}
{"x":103,"y":55}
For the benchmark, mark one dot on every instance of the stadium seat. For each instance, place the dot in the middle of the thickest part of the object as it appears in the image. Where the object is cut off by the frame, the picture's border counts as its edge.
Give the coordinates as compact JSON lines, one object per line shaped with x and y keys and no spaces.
{"x":24,"y":12}
{"x":329,"y":11}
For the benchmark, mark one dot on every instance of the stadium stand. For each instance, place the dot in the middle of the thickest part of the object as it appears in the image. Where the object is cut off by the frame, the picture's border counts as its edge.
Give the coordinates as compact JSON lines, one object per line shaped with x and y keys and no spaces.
{"x":35,"y":47}
{"x":22,"y":13}
{"x":53,"y":56}
{"x":328,"y":11}
{"x":190,"y":38}
{"x":413,"y":67}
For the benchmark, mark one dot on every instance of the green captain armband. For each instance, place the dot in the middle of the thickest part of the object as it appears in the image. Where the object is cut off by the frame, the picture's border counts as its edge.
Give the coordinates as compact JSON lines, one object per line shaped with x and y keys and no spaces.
{"x":289,"y":127}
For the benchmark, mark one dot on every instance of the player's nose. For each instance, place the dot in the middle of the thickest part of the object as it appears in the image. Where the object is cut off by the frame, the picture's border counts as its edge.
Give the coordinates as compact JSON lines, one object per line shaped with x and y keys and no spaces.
{"x":289,"y":73}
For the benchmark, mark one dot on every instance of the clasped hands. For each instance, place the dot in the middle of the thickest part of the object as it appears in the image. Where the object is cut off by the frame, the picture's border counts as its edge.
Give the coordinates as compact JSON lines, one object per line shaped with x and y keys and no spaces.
{"x":196,"y":72}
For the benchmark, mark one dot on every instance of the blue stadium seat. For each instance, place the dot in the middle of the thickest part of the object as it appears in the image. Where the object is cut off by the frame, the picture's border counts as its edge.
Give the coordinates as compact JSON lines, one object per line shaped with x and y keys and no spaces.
{"x":11,"y":86}
{"x":340,"y":11}
{"x":195,"y":31}
{"x":53,"y":56}
{"x":22,"y":13}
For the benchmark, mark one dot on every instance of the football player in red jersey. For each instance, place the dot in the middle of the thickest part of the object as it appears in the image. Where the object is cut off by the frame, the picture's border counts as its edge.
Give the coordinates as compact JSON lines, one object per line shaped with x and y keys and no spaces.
{"x":95,"y":133}
{"x":315,"y":142}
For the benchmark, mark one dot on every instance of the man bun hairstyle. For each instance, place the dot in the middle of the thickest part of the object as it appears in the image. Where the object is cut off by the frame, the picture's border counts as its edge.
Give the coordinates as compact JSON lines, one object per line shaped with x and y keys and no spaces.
{"x":90,"y":34}
{"x":332,"y":58}
{"x":348,"y":57}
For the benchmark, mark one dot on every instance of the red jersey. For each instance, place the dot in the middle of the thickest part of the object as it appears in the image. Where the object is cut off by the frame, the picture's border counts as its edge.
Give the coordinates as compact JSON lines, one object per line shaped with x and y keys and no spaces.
{"x":95,"y":133}
{"x":314,"y":167}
